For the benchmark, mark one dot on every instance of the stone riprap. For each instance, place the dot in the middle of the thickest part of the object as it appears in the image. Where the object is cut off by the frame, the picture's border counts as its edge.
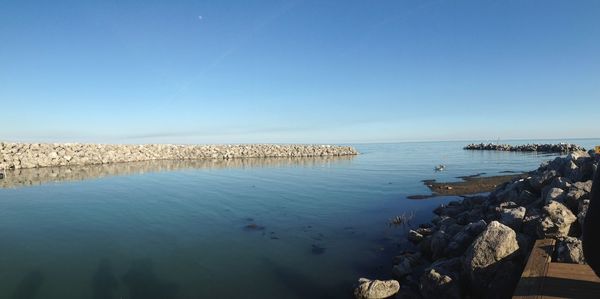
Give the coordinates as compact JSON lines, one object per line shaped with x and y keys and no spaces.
{"x":477,"y":247}
{"x":545,"y":148}
{"x":36,"y":155}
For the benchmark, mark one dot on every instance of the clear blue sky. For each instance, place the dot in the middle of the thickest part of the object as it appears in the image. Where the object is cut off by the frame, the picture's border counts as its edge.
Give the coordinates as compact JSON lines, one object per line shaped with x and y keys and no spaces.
{"x":298,"y":71}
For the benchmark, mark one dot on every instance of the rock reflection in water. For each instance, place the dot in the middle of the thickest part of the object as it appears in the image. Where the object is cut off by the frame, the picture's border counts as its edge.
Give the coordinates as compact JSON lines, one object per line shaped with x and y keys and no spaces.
{"x":104,"y":282}
{"x":38,"y":176}
{"x":143,"y":283}
{"x":29,"y":286}
{"x":302,"y":285}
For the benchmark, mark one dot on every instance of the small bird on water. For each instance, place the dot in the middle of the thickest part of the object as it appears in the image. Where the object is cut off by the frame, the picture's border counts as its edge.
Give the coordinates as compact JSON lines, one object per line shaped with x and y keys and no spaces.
{"x":440,"y":167}
{"x":591,"y":228}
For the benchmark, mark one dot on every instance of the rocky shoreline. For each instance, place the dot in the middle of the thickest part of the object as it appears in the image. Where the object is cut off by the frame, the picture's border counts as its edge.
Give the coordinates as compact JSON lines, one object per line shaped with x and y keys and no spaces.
{"x":477,"y":247}
{"x":37,"y":155}
{"x":544,"y":148}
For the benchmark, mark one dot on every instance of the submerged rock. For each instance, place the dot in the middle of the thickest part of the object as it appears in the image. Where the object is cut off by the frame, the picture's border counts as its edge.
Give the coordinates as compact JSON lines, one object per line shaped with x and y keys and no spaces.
{"x":405,"y":264}
{"x":317,"y":249}
{"x":254,"y":226}
{"x":376,"y":289}
{"x":414,"y":236}
{"x":461,"y":241}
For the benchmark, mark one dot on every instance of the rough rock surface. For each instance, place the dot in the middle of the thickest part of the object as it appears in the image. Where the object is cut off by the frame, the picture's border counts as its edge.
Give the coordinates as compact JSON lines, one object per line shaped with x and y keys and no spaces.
{"x":35,"y":155}
{"x":513,"y":217}
{"x":441,"y":280}
{"x":557,"y":221}
{"x":490,"y":236}
{"x":483,"y":258}
{"x":376,"y":289}
{"x":570,"y":250}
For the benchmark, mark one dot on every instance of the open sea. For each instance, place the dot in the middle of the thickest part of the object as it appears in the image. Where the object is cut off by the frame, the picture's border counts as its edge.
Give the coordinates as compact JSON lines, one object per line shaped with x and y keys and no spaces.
{"x":253,"y":228}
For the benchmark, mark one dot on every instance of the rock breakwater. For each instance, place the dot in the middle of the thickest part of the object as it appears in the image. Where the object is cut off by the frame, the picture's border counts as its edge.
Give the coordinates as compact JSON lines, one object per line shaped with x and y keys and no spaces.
{"x":36,"y":155}
{"x":545,"y":148}
{"x":477,"y":247}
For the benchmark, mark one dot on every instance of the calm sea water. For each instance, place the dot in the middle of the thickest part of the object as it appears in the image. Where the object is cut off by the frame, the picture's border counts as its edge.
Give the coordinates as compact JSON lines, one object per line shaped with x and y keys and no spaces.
{"x":175,"y":229}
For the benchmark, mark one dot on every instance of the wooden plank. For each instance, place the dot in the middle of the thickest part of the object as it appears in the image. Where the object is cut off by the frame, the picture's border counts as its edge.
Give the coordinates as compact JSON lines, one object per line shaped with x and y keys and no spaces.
{"x":571,"y":281}
{"x":573,"y":271}
{"x":532,"y":280}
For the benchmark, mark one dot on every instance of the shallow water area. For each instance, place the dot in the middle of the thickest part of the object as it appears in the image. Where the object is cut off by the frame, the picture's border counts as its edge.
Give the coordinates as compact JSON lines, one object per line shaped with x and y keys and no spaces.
{"x":245,"y":228}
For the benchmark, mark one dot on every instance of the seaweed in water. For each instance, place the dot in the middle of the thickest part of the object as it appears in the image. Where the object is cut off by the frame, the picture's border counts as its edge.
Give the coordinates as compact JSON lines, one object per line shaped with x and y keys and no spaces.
{"x":104,"y":282}
{"x":402,"y":220}
{"x":143,"y":283}
{"x":29,"y":286}
{"x":254,"y":226}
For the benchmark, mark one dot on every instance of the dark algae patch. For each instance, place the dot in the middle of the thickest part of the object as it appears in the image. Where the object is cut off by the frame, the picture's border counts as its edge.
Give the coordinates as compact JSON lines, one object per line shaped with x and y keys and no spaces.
{"x":471,"y":184}
{"x":317,"y":249}
{"x":254,"y":226}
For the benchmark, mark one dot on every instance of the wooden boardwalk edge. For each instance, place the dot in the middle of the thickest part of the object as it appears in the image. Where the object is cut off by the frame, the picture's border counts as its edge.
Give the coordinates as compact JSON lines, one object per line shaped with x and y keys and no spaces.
{"x":544,"y":279}
{"x":532,"y":280}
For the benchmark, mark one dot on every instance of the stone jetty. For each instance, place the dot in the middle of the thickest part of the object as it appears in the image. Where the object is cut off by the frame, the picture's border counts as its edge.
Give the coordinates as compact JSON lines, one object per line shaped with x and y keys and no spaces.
{"x":545,"y":148}
{"x":36,"y":155}
{"x":477,"y":247}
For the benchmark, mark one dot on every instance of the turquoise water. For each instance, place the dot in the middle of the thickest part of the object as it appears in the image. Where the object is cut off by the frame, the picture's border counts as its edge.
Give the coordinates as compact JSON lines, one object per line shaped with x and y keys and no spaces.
{"x":175,"y":229}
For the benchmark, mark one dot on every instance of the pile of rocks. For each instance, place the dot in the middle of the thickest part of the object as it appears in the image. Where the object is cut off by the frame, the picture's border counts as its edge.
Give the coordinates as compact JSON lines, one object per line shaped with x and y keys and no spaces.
{"x":546,"y":148}
{"x":33,"y":155}
{"x":477,"y":247}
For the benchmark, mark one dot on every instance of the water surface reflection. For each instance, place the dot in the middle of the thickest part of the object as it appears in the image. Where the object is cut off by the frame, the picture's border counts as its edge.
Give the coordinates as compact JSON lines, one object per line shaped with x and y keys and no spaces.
{"x":39,"y":176}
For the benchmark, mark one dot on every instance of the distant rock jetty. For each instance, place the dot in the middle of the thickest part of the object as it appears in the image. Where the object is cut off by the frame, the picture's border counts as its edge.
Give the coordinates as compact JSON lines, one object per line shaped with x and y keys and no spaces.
{"x":545,"y":148}
{"x":477,"y":247}
{"x":35,"y":155}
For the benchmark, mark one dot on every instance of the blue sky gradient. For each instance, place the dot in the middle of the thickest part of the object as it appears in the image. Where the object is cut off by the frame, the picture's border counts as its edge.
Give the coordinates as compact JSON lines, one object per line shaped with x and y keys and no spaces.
{"x":298,"y":71}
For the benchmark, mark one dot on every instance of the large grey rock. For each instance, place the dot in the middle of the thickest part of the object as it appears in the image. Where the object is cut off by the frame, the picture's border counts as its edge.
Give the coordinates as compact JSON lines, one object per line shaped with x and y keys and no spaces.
{"x":585,"y":186}
{"x":582,"y":211}
{"x":510,"y":192}
{"x":414,"y":236}
{"x":439,"y":241}
{"x":531,"y":222}
{"x":504,"y":282}
{"x":461,"y":241}
{"x":577,"y":155}
{"x":441,"y":280}
{"x":376,"y":289}
{"x":540,"y":180}
{"x":572,"y":171}
{"x":557,"y":221}
{"x":574,"y":197}
{"x":555,"y":194}
{"x":513,"y":217}
{"x":570,"y":250}
{"x":526,"y":197}
{"x":482,"y":260}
